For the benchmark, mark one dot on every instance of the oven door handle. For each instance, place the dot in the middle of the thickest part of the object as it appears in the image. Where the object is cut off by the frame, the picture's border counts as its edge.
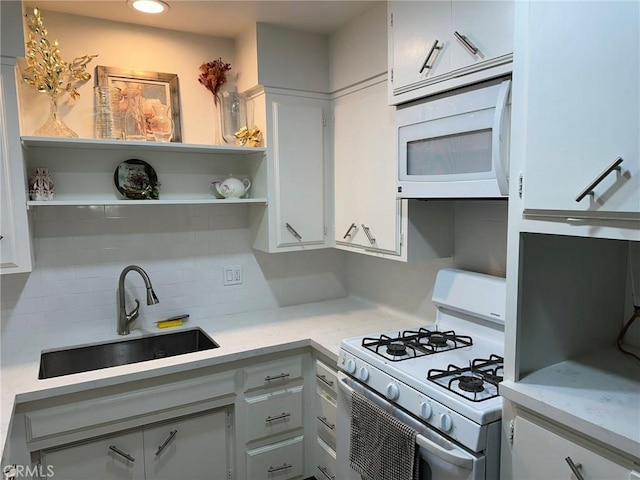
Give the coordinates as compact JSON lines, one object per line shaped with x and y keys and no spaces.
{"x":456,"y":456}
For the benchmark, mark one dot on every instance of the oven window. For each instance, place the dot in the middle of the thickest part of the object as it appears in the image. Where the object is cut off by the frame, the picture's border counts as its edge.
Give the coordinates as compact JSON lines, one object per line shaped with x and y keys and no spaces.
{"x":466,"y":152}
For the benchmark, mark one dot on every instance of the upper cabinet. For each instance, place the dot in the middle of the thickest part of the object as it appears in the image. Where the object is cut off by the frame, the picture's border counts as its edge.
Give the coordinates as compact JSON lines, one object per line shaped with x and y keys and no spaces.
{"x":437,"y":46}
{"x":580,"y":111}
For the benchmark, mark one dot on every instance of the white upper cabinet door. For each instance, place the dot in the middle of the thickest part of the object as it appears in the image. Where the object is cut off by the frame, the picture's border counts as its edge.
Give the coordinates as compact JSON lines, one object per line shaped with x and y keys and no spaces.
{"x":582,"y":102}
{"x":482,"y":31}
{"x":299,"y":151}
{"x":367,"y":213}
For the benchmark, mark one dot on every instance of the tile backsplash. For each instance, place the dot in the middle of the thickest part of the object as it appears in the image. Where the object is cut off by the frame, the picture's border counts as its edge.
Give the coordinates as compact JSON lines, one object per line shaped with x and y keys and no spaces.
{"x":80,"y":252}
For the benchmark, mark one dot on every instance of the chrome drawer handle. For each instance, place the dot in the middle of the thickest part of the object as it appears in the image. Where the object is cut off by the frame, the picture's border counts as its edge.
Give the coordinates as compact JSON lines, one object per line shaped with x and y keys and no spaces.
{"x":277,"y":417}
{"x":434,"y":47}
{"x":468,"y":45}
{"x":325,"y":472}
{"x":293,"y":231}
{"x":172,"y":434}
{"x":368,"y":234}
{"x":115,"y":449}
{"x":589,"y":188}
{"x":269,"y":378}
{"x":575,"y":468}
{"x":323,"y":379}
{"x":348,"y":234}
{"x":327,"y":424}
{"x":277,"y":469}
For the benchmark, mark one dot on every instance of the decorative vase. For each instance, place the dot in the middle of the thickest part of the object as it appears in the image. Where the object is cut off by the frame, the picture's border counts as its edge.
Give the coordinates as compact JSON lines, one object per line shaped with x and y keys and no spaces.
{"x":233,"y":112}
{"x":135,"y":125}
{"x":41,"y":186}
{"x":218,"y":139}
{"x":54,"y":126}
{"x":161,"y":123}
{"x":108,"y":117}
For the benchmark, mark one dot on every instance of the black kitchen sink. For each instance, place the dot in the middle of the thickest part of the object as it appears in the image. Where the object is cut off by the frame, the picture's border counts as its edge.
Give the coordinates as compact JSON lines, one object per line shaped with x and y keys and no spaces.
{"x":105,"y":355}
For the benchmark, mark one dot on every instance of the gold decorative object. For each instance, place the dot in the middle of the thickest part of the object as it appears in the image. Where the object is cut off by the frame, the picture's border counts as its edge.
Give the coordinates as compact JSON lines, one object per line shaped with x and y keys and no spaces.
{"x":49,"y":74}
{"x":249,"y":137}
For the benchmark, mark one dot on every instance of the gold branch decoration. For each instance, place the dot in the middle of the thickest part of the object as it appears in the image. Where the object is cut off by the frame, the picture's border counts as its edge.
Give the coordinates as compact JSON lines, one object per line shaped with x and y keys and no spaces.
{"x":46,"y":70}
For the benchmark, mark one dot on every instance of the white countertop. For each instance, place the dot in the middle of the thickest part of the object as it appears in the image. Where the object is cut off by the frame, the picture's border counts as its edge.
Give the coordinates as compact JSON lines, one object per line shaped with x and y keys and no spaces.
{"x":320,"y":325}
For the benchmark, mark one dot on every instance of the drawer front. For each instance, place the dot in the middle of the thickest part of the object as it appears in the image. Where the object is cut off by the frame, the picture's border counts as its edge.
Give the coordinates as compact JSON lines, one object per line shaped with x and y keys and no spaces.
{"x":273,"y":374}
{"x":325,"y":462}
{"x":283,"y":460}
{"x":326,"y":419}
{"x":327,"y":378}
{"x":272,"y":414}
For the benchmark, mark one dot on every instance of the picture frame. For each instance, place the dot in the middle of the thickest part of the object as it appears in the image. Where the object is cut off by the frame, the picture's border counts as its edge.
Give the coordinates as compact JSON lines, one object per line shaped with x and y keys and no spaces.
{"x":156,"y":86}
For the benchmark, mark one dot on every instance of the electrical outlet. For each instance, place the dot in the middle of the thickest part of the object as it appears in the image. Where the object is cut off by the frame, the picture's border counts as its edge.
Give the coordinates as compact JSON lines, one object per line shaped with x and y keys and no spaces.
{"x":232,"y":275}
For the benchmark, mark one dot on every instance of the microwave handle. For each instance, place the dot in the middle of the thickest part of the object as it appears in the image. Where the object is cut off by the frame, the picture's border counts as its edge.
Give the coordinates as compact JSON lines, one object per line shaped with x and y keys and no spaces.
{"x":499,"y":160}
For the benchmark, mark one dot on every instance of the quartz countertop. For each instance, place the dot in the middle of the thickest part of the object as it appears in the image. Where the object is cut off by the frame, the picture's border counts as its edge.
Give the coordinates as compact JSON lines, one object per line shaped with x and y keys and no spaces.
{"x":321,"y":325}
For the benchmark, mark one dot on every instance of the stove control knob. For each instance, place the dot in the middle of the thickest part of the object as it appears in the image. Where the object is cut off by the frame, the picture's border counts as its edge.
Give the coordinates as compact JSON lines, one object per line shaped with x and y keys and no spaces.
{"x":363,"y":374}
{"x":425,"y":410}
{"x":445,"y":422}
{"x":351,"y":366}
{"x":393,"y":392}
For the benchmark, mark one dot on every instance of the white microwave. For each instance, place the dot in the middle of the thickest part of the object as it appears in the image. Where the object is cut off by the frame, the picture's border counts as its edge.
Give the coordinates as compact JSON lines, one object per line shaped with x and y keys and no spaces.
{"x":456,"y":145}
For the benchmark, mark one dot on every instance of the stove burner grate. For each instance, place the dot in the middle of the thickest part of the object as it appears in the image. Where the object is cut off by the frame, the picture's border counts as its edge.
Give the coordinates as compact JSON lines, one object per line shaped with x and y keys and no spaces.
{"x":469,"y":383}
{"x":415,"y":343}
{"x":477,"y":382}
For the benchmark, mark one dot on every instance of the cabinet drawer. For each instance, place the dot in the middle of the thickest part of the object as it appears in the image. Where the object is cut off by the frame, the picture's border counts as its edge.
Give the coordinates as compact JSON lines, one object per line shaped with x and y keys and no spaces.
{"x":327,"y":378}
{"x":273,"y":374}
{"x":326,"y":419}
{"x":272,"y":414}
{"x":325,"y":462}
{"x":280,"y":461}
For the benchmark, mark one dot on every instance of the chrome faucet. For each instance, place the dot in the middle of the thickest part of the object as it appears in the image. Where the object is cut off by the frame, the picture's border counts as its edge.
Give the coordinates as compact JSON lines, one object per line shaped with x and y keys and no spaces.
{"x":124,"y":318}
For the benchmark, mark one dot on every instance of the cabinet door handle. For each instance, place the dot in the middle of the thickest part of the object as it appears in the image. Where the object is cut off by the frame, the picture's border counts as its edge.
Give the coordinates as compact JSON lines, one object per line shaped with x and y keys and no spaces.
{"x":115,"y":449}
{"x":372,"y":240}
{"x":293,"y":231}
{"x":323,"y":379}
{"x":330,"y":426}
{"x":172,"y":434}
{"x":269,"y":378}
{"x":615,"y":165}
{"x":277,"y":469}
{"x":348,"y":234}
{"x":277,"y":417}
{"x":467,"y":44}
{"x":325,"y":472}
{"x":575,"y":468}
{"x":434,"y":47}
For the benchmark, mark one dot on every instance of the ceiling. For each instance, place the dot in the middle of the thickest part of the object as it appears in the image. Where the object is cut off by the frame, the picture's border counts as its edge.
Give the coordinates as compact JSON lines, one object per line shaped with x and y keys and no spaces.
{"x":221,"y":18}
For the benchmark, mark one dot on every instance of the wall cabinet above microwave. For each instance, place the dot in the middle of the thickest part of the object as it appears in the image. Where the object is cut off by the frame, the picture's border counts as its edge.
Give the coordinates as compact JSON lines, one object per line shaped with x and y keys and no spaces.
{"x":437,"y":46}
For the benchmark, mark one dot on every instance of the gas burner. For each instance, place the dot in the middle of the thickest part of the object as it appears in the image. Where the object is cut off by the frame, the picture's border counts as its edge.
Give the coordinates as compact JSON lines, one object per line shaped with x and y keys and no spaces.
{"x":477,"y":382}
{"x":397,"y":349}
{"x":437,"y":340}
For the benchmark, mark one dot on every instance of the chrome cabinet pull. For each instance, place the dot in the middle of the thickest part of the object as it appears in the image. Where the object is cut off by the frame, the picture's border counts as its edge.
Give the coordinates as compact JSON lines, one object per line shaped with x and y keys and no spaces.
{"x":166,"y":442}
{"x":277,"y":469}
{"x":575,"y":468}
{"x":269,"y":378}
{"x":293,"y":231}
{"x":434,"y":47}
{"x":325,"y":472}
{"x":467,"y":44}
{"x":277,"y":417}
{"x":330,"y":426}
{"x":323,"y":379}
{"x":348,"y":234}
{"x":615,"y":165}
{"x":115,"y":449}
{"x":368,"y":234}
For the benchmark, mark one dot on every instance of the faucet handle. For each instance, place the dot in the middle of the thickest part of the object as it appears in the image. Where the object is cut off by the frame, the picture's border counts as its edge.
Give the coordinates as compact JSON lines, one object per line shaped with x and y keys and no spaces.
{"x":134,"y":313}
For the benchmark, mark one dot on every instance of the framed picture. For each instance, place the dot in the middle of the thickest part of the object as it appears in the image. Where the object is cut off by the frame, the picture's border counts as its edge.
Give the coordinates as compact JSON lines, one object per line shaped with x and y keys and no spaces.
{"x":157,"y":88}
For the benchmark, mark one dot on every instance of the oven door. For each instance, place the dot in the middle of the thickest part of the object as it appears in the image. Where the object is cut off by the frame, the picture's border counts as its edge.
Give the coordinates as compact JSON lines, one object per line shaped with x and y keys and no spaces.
{"x":440,"y":458}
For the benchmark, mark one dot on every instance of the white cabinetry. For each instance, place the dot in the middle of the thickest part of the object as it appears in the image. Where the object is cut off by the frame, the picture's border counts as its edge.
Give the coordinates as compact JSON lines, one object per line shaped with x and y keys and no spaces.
{"x":190,"y":448}
{"x":580,"y":119}
{"x":367,"y":214}
{"x":436,"y":46}
{"x":326,"y":412}
{"x":296,"y":216}
{"x":545,"y":452}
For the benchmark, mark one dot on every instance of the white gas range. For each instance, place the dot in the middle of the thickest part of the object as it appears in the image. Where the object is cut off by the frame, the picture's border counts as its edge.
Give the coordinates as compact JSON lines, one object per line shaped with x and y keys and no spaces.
{"x":443,"y":376}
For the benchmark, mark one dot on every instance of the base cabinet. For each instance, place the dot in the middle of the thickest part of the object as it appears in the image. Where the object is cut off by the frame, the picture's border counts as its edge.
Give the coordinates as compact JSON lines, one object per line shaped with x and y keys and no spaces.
{"x":192,"y":448}
{"x":546,"y":452}
{"x":325,"y":413}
